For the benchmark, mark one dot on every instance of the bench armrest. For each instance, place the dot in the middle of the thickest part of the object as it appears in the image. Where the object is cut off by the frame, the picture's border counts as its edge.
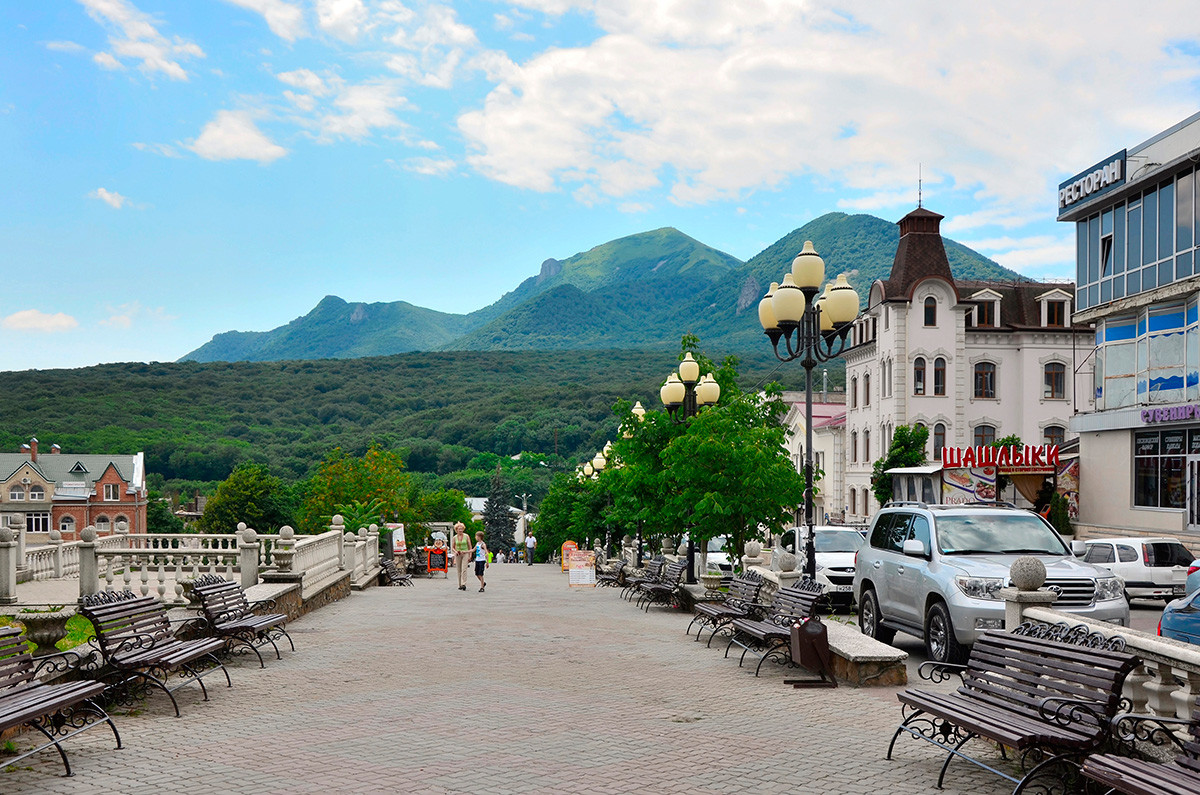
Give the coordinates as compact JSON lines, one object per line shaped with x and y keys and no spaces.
{"x":61,"y":662}
{"x":1154,"y":729}
{"x":269,"y":604}
{"x":936,"y":672}
{"x":132,"y":643}
{"x":1064,"y":711}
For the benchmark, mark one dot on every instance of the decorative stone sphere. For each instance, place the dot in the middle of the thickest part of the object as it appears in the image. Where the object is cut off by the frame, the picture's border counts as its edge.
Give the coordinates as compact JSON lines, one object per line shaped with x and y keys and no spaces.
{"x":241,"y":528}
{"x":351,"y":537}
{"x":6,"y":535}
{"x":88,"y":534}
{"x":287,"y":532}
{"x":248,"y":535}
{"x":788,"y":562}
{"x":122,"y":527}
{"x":337,"y":519}
{"x":374,"y":528}
{"x":56,"y":534}
{"x":1027,"y":573}
{"x":682,"y":549}
{"x":753,"y":549}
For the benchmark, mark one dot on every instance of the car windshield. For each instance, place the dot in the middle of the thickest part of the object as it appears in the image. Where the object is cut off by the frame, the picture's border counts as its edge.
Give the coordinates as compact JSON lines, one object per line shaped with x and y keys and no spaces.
{"x":837,"y":541}
{"x":997,"y":534}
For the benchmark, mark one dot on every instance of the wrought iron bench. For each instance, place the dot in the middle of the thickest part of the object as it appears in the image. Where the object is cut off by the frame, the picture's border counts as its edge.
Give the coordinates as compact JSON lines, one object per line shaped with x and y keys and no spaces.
{"x":1144,"y":777}
{"x":666,"y":590}
{"x":390,"y":574}
{"x":651,"y":573}
{"x":613,"y":577}
{"x":231,"y":616}
{"x":769,"y":638}
{"x":1050,"y":693}
{"x":57,"y":710}
{"x":135,"y":639}
{"x":741,"y":602}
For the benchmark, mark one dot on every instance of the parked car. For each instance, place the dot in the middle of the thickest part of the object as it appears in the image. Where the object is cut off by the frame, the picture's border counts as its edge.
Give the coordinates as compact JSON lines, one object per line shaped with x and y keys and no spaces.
{"x":1181,"y":619}
{"x":1192,"y":583}
{"x":934,"y":571}
{"x":836,"y":548}
{"x":1154,"y":568}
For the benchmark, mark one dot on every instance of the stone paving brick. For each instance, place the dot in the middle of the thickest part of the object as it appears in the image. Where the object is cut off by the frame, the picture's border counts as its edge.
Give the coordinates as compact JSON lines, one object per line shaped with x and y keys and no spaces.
{"x":528,"y":688}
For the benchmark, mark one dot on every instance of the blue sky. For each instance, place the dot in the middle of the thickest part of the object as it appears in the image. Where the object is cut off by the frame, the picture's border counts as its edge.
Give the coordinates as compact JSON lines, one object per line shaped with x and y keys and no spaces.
{"x":172,"y":170}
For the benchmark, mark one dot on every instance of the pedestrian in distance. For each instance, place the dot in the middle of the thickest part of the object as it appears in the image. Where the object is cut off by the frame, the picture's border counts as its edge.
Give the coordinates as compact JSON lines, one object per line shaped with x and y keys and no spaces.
{"x":461,"y":543}
{"x":481,"y":561}
{"x":530,"y":545}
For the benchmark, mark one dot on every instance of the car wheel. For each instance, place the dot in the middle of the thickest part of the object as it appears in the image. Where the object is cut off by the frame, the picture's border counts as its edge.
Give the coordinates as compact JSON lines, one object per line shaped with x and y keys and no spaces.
{"x":869,"y":616}
{"x":940,"y":642}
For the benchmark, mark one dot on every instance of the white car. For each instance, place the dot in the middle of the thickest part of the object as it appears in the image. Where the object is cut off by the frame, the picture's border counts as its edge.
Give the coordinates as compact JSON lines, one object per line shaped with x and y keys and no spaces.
{"x":836,"y":548}
{"x":1152,"y":568}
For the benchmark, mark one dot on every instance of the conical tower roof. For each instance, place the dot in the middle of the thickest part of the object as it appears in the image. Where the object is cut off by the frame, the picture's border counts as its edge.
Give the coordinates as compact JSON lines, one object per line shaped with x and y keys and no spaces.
{"x":920,"y":254}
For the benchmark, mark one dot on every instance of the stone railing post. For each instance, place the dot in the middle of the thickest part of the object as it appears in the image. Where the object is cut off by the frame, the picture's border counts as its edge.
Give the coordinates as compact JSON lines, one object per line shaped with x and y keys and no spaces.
{"x":373,"y":544}
{"x":1027,"y":575}
{"x":340,"y":526}
{"x":753,"y":556}
{"x":285,"y":549}
{"x":56,"y":556}
{"x":788,"y":574}
{"x":349,"y":550}
{"x":8,"y":566}
{"x":89,"y":571}
{"x":248,"y":557}
{"x":18,"y":527}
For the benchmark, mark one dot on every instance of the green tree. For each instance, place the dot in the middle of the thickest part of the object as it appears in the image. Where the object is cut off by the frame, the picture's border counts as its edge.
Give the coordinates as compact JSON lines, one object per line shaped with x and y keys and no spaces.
{"x":159,"y":516}
{"x":498,"y":521}
{"x":1012,"y":440}
{"x":377,"y":477}
{"x":250,"y":494}
{"x":907,"y":450}
{"x":554,"y":523}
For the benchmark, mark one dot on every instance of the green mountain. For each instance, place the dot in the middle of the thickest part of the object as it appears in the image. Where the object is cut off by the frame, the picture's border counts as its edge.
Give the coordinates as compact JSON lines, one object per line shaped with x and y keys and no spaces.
{"x":642,"y":291}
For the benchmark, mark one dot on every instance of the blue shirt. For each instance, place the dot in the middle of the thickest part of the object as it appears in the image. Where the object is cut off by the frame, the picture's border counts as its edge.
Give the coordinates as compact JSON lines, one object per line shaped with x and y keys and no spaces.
{"x":479,"y":553}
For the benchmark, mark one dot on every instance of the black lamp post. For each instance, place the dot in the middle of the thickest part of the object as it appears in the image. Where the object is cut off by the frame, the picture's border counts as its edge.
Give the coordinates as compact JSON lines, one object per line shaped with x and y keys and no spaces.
{"x":812,"y":331}
{"x":683,"y":395}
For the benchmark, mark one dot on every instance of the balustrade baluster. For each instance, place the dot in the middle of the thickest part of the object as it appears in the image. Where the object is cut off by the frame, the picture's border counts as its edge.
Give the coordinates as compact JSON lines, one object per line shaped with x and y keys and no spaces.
{"x":108,"y":571}
{"x":162,"y":580}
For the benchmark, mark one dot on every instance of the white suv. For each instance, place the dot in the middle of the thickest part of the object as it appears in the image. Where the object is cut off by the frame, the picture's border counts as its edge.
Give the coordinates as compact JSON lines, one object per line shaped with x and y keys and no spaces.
{"x":1154,"y":568}
{"x":934,"y":571}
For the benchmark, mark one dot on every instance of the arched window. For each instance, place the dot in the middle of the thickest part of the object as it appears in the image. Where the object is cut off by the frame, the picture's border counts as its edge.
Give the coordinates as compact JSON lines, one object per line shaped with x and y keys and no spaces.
{"x":939,"y":376}
{"x":102,"y":525}
{"x":854,"y":393}
{"x":984,"y":435}
{"x":867,"y":446}
{"x":931,"y":311}
{"x":854,"y":447}
{"x":939,"y":440}
{"x":919,"y":375}
{"x":118,"y":520}
{"x":1056,"y":381}
{"x":67,"y":524}
{"x":37,"y":493}
{"x":1055,"y":434}
{"x":16,"y":494}
{"x":866,"y":389}
{"x":985,"y":380}
{"x":853,"y":501}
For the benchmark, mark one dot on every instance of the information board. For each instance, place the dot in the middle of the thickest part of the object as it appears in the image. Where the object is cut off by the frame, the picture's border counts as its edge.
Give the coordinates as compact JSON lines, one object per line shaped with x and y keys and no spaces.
{"x":583,"y":568}
{"x":567,"y":548}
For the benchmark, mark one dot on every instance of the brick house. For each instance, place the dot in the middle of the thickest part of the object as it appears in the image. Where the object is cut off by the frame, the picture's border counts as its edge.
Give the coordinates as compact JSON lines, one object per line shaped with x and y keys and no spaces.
{"x":70,"y":492}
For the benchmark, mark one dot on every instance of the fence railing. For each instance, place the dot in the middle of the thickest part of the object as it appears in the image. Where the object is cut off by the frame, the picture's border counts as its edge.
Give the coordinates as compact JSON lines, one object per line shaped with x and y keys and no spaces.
{"x":163,"y":565}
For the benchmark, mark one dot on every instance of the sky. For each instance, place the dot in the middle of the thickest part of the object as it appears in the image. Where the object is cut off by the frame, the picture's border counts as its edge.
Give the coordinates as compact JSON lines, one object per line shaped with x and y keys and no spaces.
{"x":171,"y":170}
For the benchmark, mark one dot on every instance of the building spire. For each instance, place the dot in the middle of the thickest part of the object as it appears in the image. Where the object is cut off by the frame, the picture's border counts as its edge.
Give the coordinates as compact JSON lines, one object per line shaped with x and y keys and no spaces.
{"x":918,"y":184}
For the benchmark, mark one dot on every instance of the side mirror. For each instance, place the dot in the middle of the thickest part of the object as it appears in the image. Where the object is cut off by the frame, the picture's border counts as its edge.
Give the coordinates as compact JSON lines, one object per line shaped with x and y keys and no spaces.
{"x":914,"y":548}
{"x":1078,"y":548}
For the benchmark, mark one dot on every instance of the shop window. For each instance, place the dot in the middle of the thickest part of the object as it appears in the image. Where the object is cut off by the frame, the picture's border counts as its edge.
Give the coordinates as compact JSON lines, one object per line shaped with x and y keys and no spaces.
{"x":939,"y":440}
{"x":985,"y":380}
{"x":919,"y":376}
{"x":1055,"y":381}
{"x":939,"y":376}
{"x":984,"y":435}
{"x":1055,"y":434}
{"x":1158,"y":468}
{"x":930,"y":311}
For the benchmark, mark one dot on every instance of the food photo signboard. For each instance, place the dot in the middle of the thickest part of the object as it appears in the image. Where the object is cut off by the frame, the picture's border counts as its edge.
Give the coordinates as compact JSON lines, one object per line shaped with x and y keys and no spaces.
{"x":583,"y":569}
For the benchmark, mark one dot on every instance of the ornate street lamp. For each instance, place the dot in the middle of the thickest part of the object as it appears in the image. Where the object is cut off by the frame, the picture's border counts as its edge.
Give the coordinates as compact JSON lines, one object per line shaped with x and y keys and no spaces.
{"x":812,"y":331}
{"x":683,"y":395}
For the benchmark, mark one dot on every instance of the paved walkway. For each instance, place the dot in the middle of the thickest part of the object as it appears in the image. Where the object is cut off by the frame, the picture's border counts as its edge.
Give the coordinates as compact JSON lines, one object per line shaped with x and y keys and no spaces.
{"x":528,"y":688}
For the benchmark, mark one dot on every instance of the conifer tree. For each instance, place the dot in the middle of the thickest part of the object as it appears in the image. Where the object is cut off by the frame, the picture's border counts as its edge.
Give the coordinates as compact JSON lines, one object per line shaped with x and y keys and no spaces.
{"x":498,"y":521}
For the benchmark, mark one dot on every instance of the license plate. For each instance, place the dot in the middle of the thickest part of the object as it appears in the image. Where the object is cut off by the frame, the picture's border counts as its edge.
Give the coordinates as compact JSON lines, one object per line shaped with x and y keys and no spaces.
{"x":842,"y":588}
{"x":1177,"y":590}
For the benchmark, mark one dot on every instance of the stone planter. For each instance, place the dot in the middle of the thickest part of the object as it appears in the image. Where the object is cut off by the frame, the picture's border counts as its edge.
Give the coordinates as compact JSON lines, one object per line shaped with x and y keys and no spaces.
{"x":45,"y":629}
{"x":711,"y":582}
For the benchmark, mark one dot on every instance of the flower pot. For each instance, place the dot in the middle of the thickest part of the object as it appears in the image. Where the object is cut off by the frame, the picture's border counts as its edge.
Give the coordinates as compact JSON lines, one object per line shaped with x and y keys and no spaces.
{"x":711,"y":582}
{"x":45,"y":629}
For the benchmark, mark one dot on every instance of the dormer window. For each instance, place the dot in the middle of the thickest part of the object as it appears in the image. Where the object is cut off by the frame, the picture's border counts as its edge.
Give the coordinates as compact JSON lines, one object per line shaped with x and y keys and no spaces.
{"x":79,"y":467}
{"x":931,"y":311}
{"x":985,"y":315}
{"x":37,"y":493}
{"x":1056,"y":313}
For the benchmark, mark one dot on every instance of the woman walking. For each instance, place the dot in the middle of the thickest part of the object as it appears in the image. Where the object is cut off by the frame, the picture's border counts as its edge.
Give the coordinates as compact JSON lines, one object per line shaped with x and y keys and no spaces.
{"x":481,"y":552}
{"x":461,"y":543}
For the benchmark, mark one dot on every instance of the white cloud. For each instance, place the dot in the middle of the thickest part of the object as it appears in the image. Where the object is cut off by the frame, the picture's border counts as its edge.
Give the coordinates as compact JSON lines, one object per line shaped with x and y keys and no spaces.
{"x":720,"y":98}
{"x":429,"y":166}
{"x":126,"y":315}
{"x":345,"y":19}
{"x":1033,"y":255}
{"x":36,"y":320}
{"x":64,"y":46}
{"x":304,"y":79}
{"x":111,"y":198}
{"x":284,"y":19}
{"x":165,"y":150}
{"x":233,"y":135}
{"x":133,"y":35}
{"x":435,"y":46}
{"x":360,"y":109}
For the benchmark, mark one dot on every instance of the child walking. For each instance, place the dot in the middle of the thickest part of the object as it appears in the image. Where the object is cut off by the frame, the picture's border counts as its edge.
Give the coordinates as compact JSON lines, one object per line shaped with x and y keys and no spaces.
{"x":481,"y":562}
